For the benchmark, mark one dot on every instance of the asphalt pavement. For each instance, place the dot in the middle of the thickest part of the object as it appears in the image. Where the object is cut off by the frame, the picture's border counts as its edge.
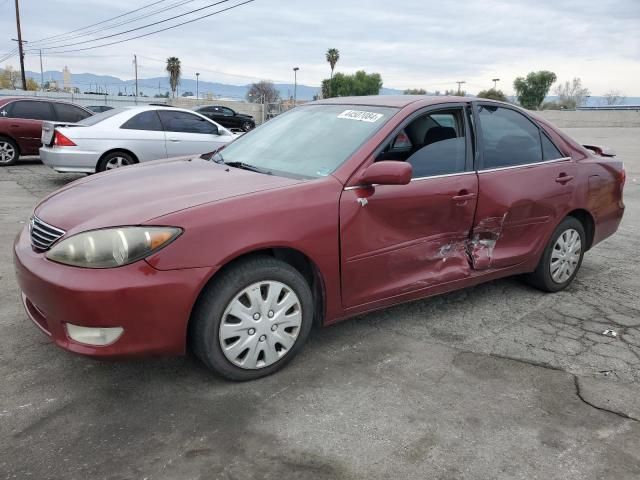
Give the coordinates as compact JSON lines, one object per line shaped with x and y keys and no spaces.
{"x":498,"y":381}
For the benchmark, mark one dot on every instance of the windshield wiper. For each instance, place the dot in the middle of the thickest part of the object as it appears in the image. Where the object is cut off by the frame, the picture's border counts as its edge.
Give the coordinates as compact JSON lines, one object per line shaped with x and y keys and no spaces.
{"x":246,"y":166}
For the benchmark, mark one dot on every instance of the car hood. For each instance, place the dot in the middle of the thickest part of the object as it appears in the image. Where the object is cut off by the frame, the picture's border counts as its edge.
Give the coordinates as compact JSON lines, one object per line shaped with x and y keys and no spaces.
{"x":138,"y":194}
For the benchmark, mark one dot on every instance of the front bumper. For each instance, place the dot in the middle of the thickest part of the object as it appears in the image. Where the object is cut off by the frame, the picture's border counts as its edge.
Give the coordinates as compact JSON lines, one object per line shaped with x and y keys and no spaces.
{"x":152,"y":306}
{"x":69,"y":159}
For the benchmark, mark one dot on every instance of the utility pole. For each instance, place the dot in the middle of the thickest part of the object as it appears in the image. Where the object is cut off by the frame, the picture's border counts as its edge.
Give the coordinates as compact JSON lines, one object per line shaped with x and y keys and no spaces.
{"x":495,"y":82}
{"x":197,"y":91}
{"x":135,"y":64}
{"x":41,"y":73}
{"x":460,"y":83}
{"x":20,"y":49}
{"x":295,"y":85}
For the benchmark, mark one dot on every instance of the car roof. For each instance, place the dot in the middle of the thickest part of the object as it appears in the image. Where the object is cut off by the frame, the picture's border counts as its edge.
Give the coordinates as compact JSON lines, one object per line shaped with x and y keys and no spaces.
{"x":40,"y":99}
{"x":397,"y":101}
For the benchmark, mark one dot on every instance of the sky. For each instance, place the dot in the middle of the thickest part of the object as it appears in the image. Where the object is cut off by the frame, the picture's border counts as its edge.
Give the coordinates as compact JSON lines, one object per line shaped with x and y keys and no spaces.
{"x":412,"y":44}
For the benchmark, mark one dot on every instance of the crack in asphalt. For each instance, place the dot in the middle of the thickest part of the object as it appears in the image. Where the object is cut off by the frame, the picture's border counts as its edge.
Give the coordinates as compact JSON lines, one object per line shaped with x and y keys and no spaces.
{"x":576,"y":382}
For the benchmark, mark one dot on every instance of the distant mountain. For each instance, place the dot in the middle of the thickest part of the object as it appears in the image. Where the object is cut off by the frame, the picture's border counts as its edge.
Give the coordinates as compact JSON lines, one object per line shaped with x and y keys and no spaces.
{"x":151,"y":86}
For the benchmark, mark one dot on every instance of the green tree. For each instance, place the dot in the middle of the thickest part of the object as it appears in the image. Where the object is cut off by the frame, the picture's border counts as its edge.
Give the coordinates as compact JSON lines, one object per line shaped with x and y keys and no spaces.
{"x":174,"y":70}
{"x":415,"y":91}
{"x":455,"y":93}
{"x":532,"y":90}
{"x":492,"y":94}
{"x":361,"y":83}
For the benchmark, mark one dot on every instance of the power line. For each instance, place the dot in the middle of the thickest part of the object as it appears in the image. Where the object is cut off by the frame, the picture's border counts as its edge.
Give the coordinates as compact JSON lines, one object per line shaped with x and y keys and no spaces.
{"x":109,"y":27}
{"x":103,"y":21}
{"x":155,"y":31}
{"x":137,"y":28}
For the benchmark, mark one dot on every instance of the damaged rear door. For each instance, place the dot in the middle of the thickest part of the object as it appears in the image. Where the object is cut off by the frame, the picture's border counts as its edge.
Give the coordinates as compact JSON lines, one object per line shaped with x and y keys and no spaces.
{"x":525,"y":184}
{"x":398,"y":239}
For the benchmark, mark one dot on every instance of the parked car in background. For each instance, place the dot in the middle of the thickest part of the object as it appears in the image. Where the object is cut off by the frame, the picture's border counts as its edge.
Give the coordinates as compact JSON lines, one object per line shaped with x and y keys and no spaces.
{"x":100,"y":108}
{"x":373,"y":201}
{"x":21,"y":123}
{"x":128,"y":135}
{"x":227,"y":117}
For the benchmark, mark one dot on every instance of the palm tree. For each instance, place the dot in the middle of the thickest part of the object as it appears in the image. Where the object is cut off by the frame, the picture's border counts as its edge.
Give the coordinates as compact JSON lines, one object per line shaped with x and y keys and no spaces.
{"x":333,"y":55}
{"x":173,"y":68}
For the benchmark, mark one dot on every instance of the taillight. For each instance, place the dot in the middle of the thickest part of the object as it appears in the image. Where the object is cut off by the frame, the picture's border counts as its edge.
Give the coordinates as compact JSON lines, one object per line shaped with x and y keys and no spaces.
{"x":59,"y":140}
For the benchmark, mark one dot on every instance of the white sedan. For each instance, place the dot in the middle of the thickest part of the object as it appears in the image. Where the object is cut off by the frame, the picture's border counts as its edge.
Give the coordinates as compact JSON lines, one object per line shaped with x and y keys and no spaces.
{"x":124,"y":136}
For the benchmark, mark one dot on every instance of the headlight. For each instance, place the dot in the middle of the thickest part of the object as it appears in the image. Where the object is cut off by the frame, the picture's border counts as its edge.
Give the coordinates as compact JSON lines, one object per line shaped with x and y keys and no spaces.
{"x":111,"y":247}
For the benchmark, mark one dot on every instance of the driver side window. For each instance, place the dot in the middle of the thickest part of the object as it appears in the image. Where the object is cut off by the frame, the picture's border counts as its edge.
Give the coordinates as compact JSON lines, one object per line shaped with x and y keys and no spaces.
{"x":434,"y":144}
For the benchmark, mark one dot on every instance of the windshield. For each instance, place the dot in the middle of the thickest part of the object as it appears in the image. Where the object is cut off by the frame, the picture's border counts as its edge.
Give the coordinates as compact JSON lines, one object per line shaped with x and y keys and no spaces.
{"x":98,"y":117}
{"x":309,"y":141}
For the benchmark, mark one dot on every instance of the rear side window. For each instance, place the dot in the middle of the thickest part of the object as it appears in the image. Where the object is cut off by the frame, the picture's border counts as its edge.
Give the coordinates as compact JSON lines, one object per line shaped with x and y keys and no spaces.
{"x":69,"y":113}
{"x":549,"y":150}
{"x":508,"y":138}
{"x":31,"y":109}
{"x":183,"y":122}
{"x":144,"y":121}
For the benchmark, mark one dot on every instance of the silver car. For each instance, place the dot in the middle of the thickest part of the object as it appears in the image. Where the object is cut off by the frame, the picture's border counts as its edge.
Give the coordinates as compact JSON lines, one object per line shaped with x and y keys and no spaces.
{"x":124,"y":136}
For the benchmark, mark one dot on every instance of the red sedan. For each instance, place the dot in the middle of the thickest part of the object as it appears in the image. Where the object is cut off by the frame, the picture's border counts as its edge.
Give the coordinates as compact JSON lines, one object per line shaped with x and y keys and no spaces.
{"x":333,"y":209}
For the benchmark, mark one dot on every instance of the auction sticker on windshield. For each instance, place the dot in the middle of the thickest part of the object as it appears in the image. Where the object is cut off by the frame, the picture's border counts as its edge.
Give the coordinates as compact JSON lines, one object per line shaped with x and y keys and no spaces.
{"x":361,"y":116}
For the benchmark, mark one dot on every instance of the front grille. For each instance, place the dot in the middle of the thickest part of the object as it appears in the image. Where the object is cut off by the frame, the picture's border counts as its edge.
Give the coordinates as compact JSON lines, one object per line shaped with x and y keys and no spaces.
{"x":42,"y":234}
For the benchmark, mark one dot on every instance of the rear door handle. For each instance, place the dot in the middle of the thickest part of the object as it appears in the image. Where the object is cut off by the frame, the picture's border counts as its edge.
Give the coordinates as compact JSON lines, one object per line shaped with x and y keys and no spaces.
{"x":464,"y":197}
{"x":564,"y":179}
{"x":175,"y":140}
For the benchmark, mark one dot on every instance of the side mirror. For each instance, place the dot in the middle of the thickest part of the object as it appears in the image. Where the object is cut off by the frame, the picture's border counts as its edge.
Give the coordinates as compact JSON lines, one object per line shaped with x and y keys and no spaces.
{"x":387,"y":172}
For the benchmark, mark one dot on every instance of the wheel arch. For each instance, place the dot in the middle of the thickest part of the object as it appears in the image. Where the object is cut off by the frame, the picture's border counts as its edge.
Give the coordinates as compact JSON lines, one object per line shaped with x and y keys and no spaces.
{"x":113,"y":150}
{"x":295,"y":258}
{"x":587,"y":221}
{"x":9,"y":137}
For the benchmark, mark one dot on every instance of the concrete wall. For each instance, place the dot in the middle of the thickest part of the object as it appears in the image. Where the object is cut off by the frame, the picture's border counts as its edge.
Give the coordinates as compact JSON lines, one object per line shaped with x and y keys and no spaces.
{"x":592,"y":118}
{"x":255,"y":110}
{"x":84,"y":99}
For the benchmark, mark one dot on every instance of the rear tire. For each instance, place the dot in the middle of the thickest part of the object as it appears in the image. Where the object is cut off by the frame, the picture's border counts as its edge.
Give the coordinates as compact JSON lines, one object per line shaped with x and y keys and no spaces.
{"x":114,"y":160}
{"x":253,"y":319}
{"x":9,"y":152}
{"x":562,"y":257}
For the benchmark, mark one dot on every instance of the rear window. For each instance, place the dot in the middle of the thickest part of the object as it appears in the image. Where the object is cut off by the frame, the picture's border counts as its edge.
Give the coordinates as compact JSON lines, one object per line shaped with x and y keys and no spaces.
{"x":98,"y":117}
{"x":69,"y":113}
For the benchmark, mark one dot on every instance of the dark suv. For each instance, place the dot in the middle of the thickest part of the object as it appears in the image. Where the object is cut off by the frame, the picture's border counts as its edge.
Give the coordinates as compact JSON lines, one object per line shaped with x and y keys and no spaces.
{"x":21,"y":124}
{"x":227,"y":117}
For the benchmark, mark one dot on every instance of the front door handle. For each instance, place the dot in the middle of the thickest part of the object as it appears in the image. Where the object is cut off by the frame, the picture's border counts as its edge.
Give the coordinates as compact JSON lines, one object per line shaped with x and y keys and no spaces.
{"x":564,"y":178}
{"x":463,"y":197}
{"x":175,"y":140}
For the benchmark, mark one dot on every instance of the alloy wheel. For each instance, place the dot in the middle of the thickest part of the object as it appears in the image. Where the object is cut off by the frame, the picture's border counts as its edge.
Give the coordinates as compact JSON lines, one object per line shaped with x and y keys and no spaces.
{"x":117,"y":162}
{"x":565,"y":255}
{"x":7,"y":152}
{"x":260,"y":325}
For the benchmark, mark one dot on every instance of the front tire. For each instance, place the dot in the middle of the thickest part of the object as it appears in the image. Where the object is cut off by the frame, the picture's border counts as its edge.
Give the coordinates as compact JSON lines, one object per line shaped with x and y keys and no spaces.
{"x":561,"y":258}
{"x":246,"y":126}
{"x":9,"y":152}
{"x":253,"y":319}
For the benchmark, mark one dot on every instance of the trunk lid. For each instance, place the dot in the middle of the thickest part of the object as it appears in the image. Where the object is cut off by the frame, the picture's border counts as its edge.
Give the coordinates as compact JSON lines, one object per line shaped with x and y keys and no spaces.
{"x":48,"y":131}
